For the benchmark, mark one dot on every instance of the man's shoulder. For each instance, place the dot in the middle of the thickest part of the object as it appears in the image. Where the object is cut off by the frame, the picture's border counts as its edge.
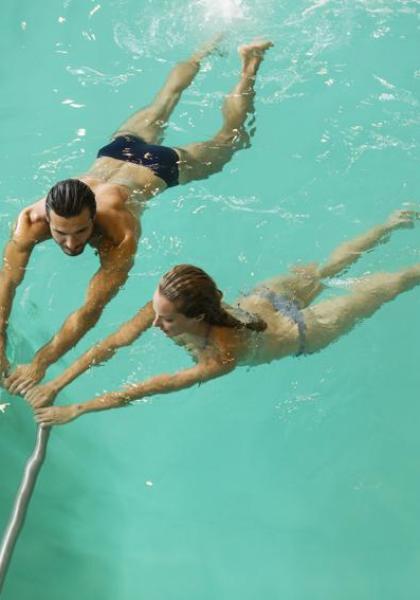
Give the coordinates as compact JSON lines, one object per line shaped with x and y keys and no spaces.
{"x":34,"y":213}
{"x":31,"y":225}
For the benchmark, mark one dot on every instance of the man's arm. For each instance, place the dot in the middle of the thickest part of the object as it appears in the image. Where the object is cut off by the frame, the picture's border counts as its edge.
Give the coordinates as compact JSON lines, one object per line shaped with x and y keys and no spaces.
{"x":43,"y":395}
{"x":115,"y":265}
{"x":15,"y":260}
{"x":161,"y":384}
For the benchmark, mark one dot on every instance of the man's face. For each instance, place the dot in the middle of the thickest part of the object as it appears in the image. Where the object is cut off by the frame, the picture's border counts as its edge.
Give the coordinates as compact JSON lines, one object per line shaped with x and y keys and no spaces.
{"x":71,"y":233}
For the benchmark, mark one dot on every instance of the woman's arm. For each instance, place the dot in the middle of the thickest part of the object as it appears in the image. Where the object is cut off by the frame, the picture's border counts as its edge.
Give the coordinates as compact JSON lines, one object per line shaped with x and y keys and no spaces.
{"x":42,"y":395}
{"x":161,"y":384}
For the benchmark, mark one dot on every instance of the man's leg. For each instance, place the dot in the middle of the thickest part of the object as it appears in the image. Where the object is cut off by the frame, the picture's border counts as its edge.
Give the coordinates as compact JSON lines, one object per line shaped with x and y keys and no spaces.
{"x":328,"y":320}
{"x":149,"y":123}
{"x":200,"y":160}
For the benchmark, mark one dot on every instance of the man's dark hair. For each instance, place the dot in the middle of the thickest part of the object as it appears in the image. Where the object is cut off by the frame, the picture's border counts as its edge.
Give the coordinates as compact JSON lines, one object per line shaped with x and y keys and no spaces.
{"x":68,"y":198}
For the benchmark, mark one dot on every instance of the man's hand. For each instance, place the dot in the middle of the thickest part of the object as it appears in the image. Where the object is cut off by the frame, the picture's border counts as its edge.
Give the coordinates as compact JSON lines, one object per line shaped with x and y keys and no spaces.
{"x":41,"y":395}
{"x":403,"y":219}
{"x":55,"y":415}
{"x":23,"y":378}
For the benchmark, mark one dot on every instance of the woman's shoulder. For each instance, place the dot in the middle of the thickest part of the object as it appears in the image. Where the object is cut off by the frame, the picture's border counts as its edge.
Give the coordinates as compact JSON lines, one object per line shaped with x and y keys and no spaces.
{"x":228,"y":343}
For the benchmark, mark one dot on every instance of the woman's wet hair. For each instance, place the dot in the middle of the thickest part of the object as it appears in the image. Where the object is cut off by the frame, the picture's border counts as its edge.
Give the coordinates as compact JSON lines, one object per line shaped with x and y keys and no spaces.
{"x":195,"y":295}
{"x":69,"y":198}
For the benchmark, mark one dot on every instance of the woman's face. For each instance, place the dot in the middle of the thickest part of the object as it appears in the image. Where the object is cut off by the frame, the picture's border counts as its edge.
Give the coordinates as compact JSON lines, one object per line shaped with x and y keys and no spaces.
{"x":168,"y":319}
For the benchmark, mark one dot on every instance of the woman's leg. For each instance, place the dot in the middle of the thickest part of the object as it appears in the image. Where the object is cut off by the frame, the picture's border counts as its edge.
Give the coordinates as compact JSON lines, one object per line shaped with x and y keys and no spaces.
{"x":149,"y":123}
{"x":349,"y":252}
{"x":328,"y":320}
{"x":304,"y":284}
{"x":200,"y":160}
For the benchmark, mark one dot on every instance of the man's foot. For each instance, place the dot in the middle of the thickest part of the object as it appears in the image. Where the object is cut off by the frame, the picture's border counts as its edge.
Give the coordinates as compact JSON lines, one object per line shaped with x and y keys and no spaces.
{"x":252,"y":54}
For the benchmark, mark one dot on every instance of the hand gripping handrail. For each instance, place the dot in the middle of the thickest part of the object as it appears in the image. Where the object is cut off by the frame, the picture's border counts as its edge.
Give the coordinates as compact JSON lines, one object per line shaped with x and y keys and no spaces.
{"x":17,"y":518}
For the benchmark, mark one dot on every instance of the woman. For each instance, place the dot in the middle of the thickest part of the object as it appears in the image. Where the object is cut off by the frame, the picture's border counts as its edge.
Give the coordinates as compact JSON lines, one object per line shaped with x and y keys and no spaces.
{"x":273,"y":321}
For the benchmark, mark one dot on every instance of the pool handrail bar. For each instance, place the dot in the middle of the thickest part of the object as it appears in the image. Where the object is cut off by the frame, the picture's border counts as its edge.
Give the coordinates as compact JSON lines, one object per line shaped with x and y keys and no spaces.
{"x":23,"y":497}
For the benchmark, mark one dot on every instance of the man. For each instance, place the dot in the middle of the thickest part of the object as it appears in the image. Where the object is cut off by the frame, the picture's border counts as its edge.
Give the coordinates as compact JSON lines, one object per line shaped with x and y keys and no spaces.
{"x":102,"y":207}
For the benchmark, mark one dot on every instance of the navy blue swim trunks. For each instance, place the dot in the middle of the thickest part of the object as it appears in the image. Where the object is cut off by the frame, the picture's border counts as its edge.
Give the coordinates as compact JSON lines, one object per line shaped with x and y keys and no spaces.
{"x":162,"y":160}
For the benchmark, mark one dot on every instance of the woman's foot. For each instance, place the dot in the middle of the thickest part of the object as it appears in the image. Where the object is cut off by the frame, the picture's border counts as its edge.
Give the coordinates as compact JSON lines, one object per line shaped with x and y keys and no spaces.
{"x":209,"y":47}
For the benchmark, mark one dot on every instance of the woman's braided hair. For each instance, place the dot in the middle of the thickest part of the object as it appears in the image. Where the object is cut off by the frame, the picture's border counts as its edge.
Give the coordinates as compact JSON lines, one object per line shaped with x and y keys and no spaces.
{"x":196,"y":294}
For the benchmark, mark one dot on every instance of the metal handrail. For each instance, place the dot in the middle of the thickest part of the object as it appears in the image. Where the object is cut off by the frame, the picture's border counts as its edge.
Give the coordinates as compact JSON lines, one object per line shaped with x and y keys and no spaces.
{"x":17,"y":518}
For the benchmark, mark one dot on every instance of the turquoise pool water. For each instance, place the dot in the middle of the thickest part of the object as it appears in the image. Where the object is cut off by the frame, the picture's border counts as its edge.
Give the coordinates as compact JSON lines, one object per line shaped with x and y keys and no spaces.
{"x":295,"y":480}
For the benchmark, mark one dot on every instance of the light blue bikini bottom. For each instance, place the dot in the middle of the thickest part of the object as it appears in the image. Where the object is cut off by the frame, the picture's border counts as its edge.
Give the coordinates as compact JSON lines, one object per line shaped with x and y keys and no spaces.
{"x":289,"y":309}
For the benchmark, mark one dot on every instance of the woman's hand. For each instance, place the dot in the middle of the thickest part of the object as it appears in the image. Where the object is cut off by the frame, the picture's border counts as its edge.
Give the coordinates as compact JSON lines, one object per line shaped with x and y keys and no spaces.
{"x":56,"y":415}
{"x":41,"y":395}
